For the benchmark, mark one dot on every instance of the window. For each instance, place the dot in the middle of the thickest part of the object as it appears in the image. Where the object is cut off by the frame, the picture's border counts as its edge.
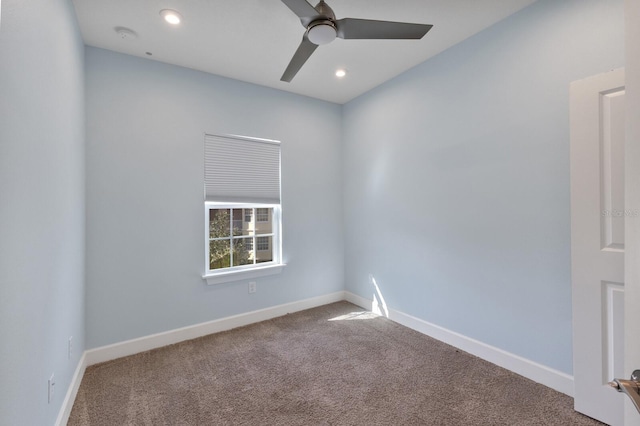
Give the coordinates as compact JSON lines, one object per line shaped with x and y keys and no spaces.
{"x":262,"y":215}
{"x":263,"y":243}
{"x":233,"y":246}
{"x":242,"y":208}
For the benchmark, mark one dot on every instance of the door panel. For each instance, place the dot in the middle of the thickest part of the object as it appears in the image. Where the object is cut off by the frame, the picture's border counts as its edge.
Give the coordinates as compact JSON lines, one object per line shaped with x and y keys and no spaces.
{"x":613,"y":315}
{"x":612,"y":170}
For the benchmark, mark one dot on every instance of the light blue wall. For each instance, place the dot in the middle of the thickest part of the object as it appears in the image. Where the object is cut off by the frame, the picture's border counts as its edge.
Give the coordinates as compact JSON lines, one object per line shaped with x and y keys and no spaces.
{"x":41,"y":206}
{"x":456,"y":179}
{"x":145,"y":215}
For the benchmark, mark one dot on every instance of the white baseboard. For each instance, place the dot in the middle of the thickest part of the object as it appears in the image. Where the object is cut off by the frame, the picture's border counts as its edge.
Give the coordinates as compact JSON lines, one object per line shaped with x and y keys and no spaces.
{"x":539,"y":373}
{"x":134,"y":346}
{"x":72,"y":391}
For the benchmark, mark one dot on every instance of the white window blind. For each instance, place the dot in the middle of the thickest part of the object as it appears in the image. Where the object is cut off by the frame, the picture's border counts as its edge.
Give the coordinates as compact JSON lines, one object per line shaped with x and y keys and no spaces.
{"x":239,"y":169}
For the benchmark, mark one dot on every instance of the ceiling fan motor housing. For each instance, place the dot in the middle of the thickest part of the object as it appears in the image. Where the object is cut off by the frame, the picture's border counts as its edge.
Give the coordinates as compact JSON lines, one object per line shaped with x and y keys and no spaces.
{"x":324,"y":10}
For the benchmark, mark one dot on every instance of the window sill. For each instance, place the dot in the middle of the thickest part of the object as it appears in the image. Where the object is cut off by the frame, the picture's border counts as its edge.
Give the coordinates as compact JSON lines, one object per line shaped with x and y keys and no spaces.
{"x":225,"y":277}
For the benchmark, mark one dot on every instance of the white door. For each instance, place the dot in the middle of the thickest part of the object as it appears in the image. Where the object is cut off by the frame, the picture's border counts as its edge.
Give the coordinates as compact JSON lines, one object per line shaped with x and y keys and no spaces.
{"x":632,"y":200}
{"x":597,"y":243}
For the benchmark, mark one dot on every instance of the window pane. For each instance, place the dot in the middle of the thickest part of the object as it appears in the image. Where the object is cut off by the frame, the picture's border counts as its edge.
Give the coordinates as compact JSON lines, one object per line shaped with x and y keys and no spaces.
{"x":248,"y":242}
{"x":264,"y":223}
{"x":238,"y":223}
{"x":219,"y":254}
{"x":242,"y":226}
{"x":264,"y":251}
{"x":219,"y":223}
{"x":243,"y":251}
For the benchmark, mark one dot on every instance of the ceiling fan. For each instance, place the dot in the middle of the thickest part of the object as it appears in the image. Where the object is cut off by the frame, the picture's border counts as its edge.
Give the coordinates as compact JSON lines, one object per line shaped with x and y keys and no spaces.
{"x":323,"y":27}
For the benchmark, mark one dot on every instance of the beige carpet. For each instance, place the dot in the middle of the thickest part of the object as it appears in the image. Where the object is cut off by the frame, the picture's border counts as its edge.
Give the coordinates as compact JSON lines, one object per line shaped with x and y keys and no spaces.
{"x":333,"y":365}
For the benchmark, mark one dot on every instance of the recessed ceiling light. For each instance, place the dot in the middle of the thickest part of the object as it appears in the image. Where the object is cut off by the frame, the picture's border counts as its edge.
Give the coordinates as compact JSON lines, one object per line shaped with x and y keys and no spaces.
{"x":341,"y":73}
{"x":171,"y":16}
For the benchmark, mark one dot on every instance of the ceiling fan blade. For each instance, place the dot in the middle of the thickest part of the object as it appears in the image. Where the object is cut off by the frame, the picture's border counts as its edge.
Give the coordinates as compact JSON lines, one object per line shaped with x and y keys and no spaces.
{"x":303,"y":53}
{"x":301,"y":8}
{"x":349,"y":28}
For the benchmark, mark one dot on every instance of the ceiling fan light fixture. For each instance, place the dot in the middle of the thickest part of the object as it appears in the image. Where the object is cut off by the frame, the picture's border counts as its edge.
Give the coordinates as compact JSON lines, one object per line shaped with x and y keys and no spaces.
{"x":171,"y":16}
{"x":323,"y":32}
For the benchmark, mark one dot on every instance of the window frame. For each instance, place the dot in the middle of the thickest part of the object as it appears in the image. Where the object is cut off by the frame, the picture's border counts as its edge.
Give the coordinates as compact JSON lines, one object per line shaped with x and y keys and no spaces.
{"x":233,"y":273}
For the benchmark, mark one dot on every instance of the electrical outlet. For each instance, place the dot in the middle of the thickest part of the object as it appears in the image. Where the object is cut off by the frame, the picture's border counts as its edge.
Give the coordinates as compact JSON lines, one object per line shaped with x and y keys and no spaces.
{"x":70,"y":348}
{"x":51,"y":385}
{"x":252,"y":287}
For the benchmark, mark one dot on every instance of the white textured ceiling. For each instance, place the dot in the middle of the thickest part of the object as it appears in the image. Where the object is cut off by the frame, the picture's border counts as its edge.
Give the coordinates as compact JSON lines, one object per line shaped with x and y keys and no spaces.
{"x":254,"y":40}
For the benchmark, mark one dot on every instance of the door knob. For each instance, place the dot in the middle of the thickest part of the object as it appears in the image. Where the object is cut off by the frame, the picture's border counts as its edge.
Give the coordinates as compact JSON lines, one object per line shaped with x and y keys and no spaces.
{"x":630,"y":387}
